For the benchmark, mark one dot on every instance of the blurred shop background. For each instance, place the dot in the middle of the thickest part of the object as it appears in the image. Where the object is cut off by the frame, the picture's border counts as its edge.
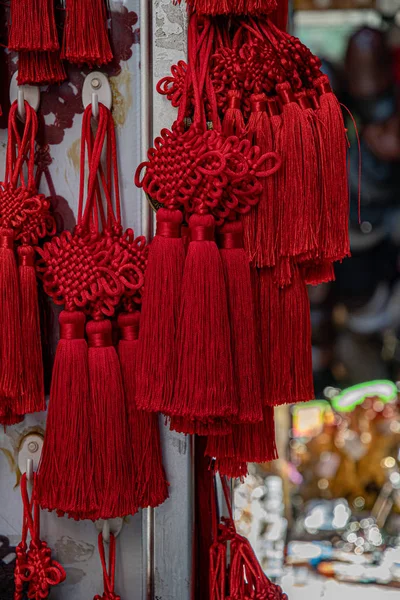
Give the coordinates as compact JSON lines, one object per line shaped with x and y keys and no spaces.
{"x":325,"y":519}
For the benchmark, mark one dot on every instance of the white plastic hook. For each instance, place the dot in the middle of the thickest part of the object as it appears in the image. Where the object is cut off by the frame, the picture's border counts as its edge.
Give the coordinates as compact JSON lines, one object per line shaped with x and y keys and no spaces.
{"x":95,"y":105}
{"x":21,"y":104}
{"x":22,"y":94}
{"x":29,"y":469}
{"x":106,"y":531}
{"x":96,"y":90}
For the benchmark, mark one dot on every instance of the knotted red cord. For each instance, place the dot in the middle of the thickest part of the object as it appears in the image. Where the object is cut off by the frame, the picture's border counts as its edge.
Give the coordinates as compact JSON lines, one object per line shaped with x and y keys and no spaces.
{"x":108,"y":574}
{"x":35,"y":568}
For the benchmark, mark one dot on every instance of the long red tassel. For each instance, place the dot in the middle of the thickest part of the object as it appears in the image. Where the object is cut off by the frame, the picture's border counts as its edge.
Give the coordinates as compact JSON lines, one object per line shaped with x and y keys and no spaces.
{"x":247,"y":443}
{"x":156,"y":367}
{"x":114,"y":477}
{"x":242,"y":321}
{"x":196,"y":427}
{"x":260,"y":222}
{"x":11,"y":370}
{"x":204,"y":387}
{"x":33,"y":25}
{"x":33,"y":398}
{"x":297,"y":147}
{"x":151,"y":484}
{"x":86,"y":33}
{"x":66,"y":470}
{"x":334,"y":232}
{"x":36,"y":67}
{"x":286,"y":340}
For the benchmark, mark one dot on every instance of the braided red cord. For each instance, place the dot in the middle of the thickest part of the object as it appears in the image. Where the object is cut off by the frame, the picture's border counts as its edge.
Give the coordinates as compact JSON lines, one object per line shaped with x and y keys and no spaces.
{"x":108,"y":574}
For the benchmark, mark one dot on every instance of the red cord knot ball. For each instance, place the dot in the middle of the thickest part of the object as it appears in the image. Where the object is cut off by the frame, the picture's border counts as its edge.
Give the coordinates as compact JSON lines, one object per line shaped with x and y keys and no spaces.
{"x":129,"y":326}
{"x":99,"y":334}
{"x":72,"y":325}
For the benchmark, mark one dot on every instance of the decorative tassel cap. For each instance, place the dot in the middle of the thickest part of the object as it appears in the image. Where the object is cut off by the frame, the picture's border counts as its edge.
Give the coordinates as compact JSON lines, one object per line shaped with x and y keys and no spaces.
{"x":99,"y":334}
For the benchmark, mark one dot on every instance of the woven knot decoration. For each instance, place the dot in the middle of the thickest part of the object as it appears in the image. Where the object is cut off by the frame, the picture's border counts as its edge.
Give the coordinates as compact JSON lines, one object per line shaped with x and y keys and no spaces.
{"x":22,"y":208}
{"x":138,"y":252}
{"x":42,"y":573}
{"x":205,"y":171}
{"x":36,"y":572}
{"x":173,"y":85}
{"x":74,"y":271}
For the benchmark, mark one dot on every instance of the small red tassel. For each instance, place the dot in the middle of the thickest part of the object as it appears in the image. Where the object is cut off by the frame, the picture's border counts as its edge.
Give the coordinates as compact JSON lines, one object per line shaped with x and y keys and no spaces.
{"x":33,"y":399}
{"x":40,"y":68}
{"x":334,"y":232}
{"x":233,"y":123}
{"x":286,"y":340}
{"x":156,"y":367}
{"x":65,"y":476}
{"x":296,"y":145}
{"x":247,"y":443}
{"x":194,"y":427}
{"x":114,"y":477}
{"x":242,"y":322}
{"x":321,"y":272}
{"x":234,"y":7}
{"x":260,"y":223}
{"x":204,"y":387}
{"x":86,"y":33}
{"x":280,"y":16}
{"x":33,"y":25}
{"x":11,"y":369}
{"x":152,"y":487}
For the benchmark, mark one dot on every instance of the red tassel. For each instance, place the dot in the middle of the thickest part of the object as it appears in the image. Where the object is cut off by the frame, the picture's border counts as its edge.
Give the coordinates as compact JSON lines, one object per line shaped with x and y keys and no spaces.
{"x":242,"y":322}
{"x":317,"y":273}
{"x":260,"y":223}
{"x":234,"y":7}
{"x":233,"y":123}
{"x":334,"y":232}
{"x":286,"y":340}
{"x":33,"y":25}
{"x":247,"y":443}
{"x":151,"y":485}
{"x":11,"y":370}
{"x":114,"y":475}
{"x":33,"y":399}
{"x":280,"y":16}
{"x":65,"y":476}
{"x":194,"y":427}
{"x":86,"y":33}
{"x":232,"y":468}
{"x":156,"y":368}
{"x":296,"y":145}
{"x":204,"y":387}
{"x":40,"y":68}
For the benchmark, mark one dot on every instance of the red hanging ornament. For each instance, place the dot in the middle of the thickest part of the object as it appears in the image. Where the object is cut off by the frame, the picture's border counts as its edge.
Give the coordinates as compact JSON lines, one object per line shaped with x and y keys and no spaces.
{"x":86,"y":33}
{"x":151,"y":484}
{"x":35,"y":573}
{"x":24,"y":219}
{"x":32,"y":26}
{"x":39,"y":68}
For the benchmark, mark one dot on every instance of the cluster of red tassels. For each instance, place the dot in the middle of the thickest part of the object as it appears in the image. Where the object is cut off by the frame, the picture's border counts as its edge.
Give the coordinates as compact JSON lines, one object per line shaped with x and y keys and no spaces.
{"x":35,"y":571}
{"x":256,"y":166}
{"x":244,"y":577}
{"x":24,"y":220}
{"x":97,"y":463}
{"x":33,"y":33}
